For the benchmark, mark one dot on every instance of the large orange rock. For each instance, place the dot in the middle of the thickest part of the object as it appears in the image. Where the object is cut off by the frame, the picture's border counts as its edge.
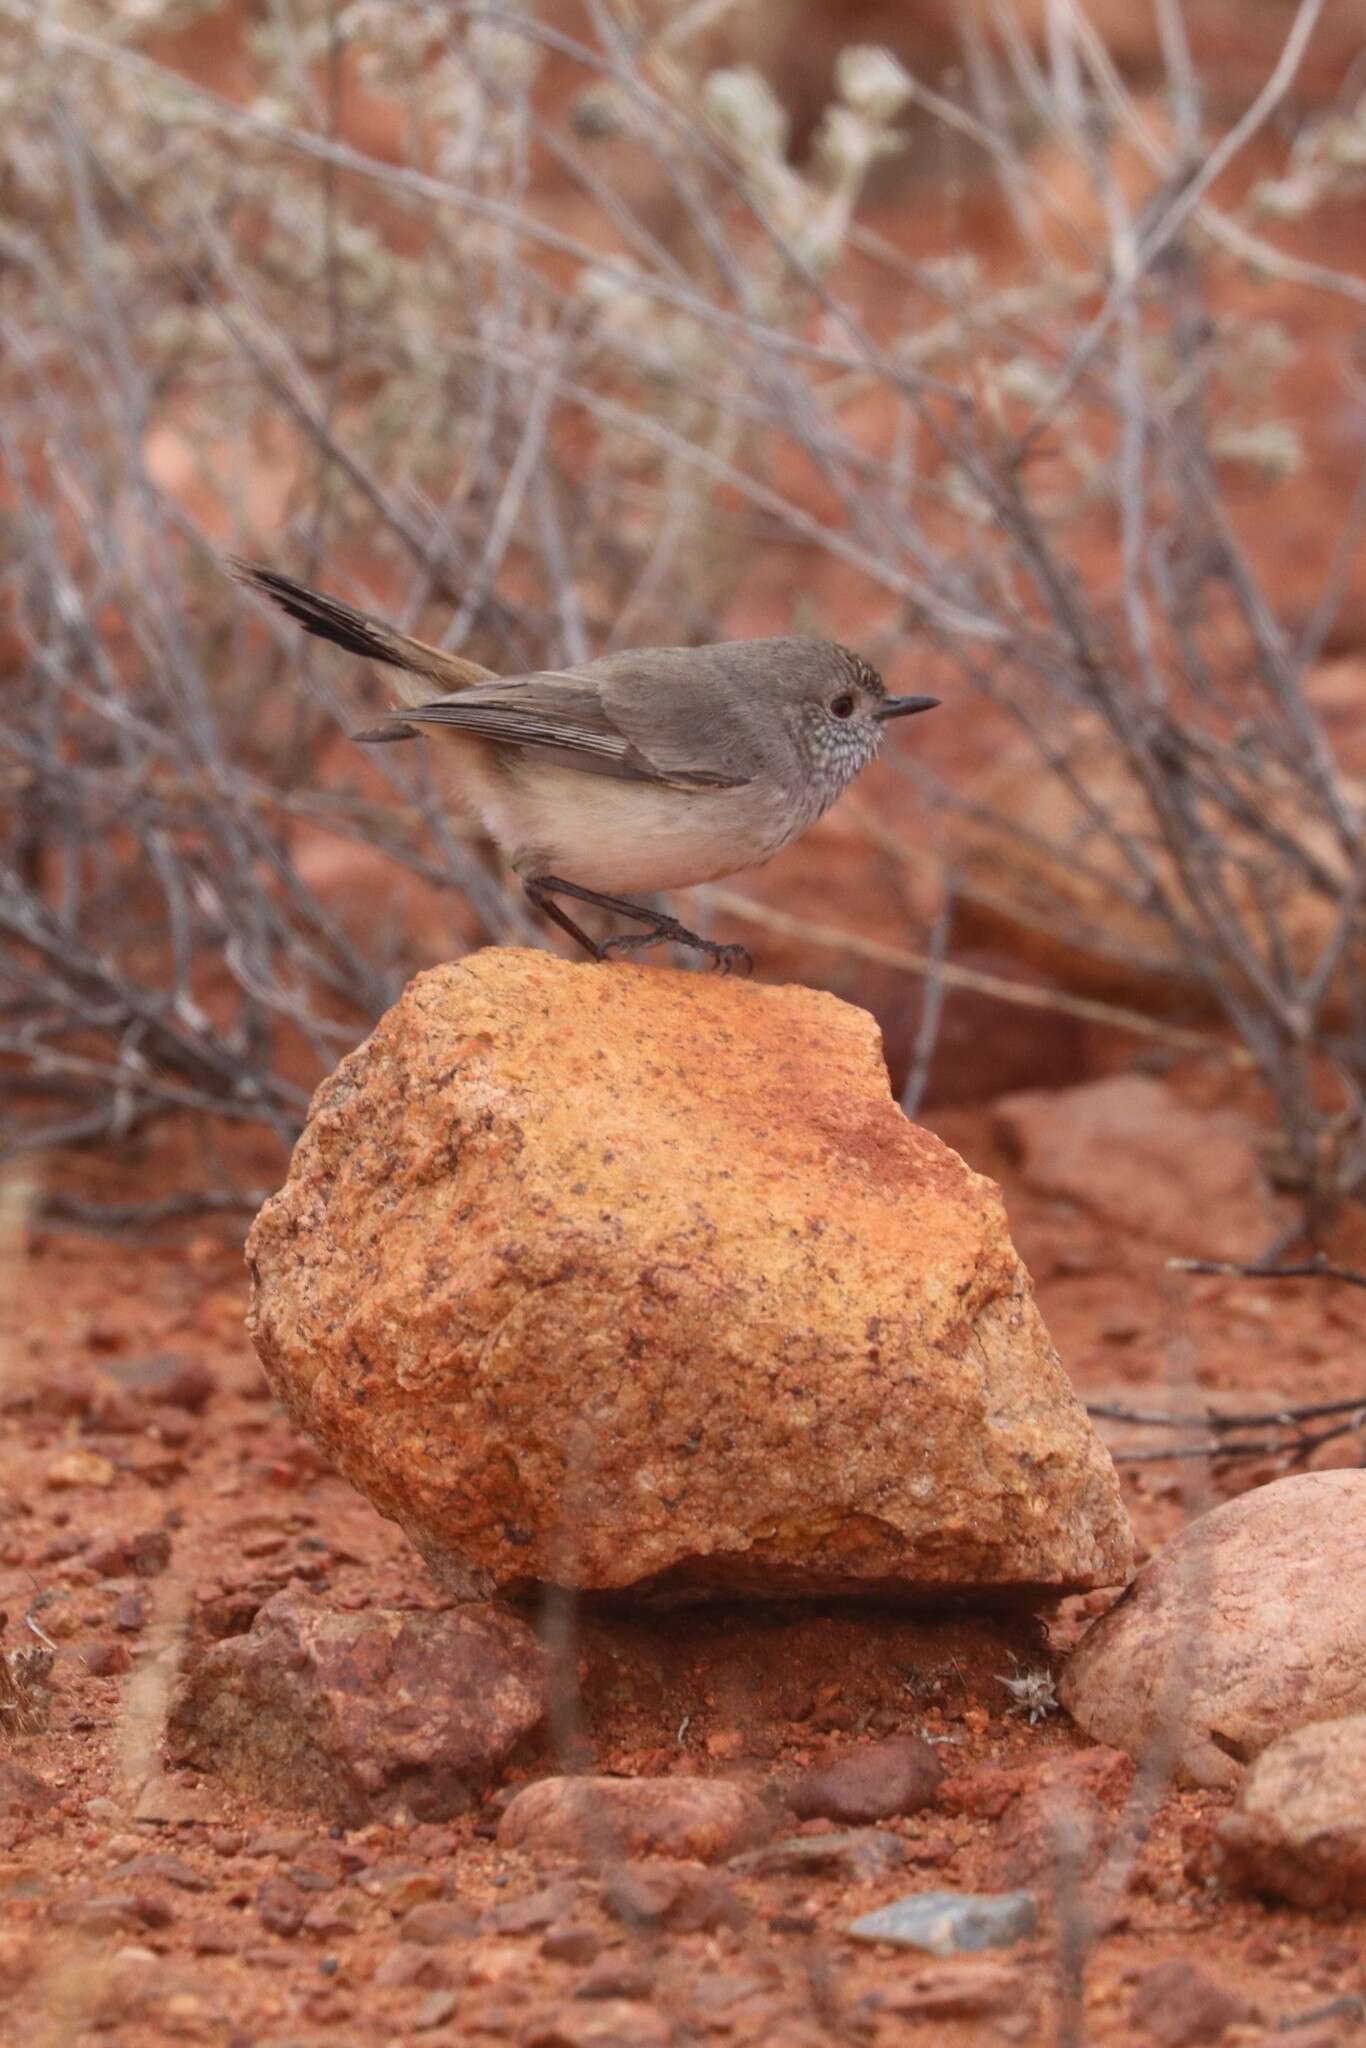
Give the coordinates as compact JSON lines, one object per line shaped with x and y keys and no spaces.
{"x":616,"y":1277}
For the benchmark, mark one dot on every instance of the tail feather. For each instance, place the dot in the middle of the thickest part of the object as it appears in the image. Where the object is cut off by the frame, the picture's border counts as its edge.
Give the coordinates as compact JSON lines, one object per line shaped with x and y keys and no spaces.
{"x":361,"y":633}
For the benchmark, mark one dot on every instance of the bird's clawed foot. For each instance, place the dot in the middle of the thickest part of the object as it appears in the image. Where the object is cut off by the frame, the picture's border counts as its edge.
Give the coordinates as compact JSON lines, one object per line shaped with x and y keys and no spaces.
{"x":729,"y":959}
{"x":662,"y":929}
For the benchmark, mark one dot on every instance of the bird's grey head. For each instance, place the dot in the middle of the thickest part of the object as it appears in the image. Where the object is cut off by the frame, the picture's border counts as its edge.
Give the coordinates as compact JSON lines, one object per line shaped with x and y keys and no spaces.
{"x":840,"y":711}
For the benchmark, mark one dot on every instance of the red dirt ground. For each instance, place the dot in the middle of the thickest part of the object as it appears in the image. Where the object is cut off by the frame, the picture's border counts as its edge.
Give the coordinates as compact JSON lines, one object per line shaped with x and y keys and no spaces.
{"x":183,"y":1952}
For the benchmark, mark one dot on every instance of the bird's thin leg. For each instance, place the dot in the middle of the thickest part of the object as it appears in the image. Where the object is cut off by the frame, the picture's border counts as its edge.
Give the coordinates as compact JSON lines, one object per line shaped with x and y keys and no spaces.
{"x":664,"y":930}
{"x":537,"y":893}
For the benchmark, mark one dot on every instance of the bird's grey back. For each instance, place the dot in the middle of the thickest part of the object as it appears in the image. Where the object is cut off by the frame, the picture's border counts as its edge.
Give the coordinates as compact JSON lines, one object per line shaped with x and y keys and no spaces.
{"x":727,"y":709}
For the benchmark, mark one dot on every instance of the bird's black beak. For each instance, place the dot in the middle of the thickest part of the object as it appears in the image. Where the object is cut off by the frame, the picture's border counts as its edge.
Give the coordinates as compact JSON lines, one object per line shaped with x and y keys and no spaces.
{"x":903,"y":707}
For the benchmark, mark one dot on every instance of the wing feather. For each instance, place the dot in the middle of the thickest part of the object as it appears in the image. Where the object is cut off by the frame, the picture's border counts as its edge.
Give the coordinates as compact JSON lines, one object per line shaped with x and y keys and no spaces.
{"x":558,"y":713}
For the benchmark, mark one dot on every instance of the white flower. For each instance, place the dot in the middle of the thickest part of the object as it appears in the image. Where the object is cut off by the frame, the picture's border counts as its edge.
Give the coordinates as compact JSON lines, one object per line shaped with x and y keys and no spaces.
{"x":1026,"y":380}
{"x":872,"y":81}
{"x":1285,"y":198}
{"x":741,"y":102}
{"x":503,"y":54}
{"x":848,"y":145}
{"x":1031,"y":1694}
{"x":1273,"y":446}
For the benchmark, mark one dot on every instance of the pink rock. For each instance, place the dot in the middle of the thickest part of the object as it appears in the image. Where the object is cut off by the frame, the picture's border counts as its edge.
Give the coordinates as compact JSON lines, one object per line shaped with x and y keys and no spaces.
{"x":1247,"y":1625}
{"x":1298,"y":1831}
{"x":1129,"y":1151}
{"x":599,"y":1819}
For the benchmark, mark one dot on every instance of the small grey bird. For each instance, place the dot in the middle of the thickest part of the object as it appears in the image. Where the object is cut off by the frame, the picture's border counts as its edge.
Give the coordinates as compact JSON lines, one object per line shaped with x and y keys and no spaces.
{"x":652,"y":769}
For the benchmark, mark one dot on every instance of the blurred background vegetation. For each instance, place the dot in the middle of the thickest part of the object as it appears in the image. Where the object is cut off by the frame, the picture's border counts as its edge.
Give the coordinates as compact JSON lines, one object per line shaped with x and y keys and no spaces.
{"x":1018,"y":344}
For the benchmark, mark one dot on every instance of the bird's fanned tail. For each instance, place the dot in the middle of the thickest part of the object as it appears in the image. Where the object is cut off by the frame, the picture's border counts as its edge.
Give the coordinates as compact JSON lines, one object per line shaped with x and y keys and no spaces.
{"x":363,"y":634}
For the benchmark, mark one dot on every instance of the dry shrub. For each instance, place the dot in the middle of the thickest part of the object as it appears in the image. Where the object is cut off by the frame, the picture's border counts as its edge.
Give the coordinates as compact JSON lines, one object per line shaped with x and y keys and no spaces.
{"x":549,"y":341}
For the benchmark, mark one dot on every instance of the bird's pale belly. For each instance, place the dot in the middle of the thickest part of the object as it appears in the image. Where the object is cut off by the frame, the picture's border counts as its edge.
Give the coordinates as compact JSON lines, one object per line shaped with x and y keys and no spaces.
{"x":625,"y":837}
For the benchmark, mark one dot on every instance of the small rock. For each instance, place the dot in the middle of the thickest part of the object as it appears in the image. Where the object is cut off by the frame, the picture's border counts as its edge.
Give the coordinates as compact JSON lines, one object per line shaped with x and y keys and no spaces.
{"x":130,"y":1613}
{"x":1313,"y":2034}
{"x":616,"y":1977}
{"x":277,"y":1842}
{"x":436,"y":1843}
{"x":404,"y":1889}
{"x":963,"y":1990}
{"x":80,"y":1468}
{"x":214,"y":1938}
{"x":596,"y":1819}
{"x":18,"y":1961}
{"x":1245,"y":1626}
{"x":407,"y":1965}
{"x":22,"y":1791}
{"x":686,"y":1897}
{"x":228,"y":1614}
{"x":1298,"y":1830}
{"x":168,"y":1378}
{"x":144,"y":1553}
{"x":438,"y":1921}
{"x":495,"y":1963}
{"x":111,"y":1912}
{"x":281,"y":1906}
{"x":106,"y":1659}
{"x":952,"y":1923}
{"x":874,"y":1782}
{"x":359,"y":1715}
{"x":1058,"y":1823}
{"x":1179,"y":2006}
{"x":616,"y":2023}
{"x":170,"y":1803}
{"x":332,"y":1919}
{"x":156,"y":1464}
{"x":167,"y":1868}
{"x":435,"y":2010}
{"x":717,"y":1991}
{"x":570,"y":1944}
{"x":857,"y":1855}
{"x":537,"y":1910}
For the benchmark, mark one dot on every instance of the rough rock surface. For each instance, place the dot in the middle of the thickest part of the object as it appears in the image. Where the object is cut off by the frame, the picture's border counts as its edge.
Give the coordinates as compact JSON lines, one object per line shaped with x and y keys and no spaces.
{"x":1298,"y":1831}
{"x":597,"y":1819}
{"x":635,"y":1278}
{"x":363,"y":1715}
{"x":1246,"y":1626}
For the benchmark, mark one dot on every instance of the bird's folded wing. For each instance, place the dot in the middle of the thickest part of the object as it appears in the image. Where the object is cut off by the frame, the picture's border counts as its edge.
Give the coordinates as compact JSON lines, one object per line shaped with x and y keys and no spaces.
{"x":562,"y":715}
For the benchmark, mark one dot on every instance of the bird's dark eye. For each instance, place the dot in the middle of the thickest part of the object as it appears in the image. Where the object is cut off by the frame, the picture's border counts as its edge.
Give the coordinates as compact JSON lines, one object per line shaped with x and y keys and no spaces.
{"x":843,"y":707}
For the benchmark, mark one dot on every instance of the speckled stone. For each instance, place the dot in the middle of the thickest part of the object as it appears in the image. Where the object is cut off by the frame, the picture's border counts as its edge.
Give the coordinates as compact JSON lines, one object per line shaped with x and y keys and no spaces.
{"x":1245,"y":1626}
{"x":627,"y":1278}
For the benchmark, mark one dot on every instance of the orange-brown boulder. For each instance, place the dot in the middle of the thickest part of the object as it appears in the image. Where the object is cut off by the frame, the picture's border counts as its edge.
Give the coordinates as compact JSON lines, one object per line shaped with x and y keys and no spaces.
{"x":622,"y":1278}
